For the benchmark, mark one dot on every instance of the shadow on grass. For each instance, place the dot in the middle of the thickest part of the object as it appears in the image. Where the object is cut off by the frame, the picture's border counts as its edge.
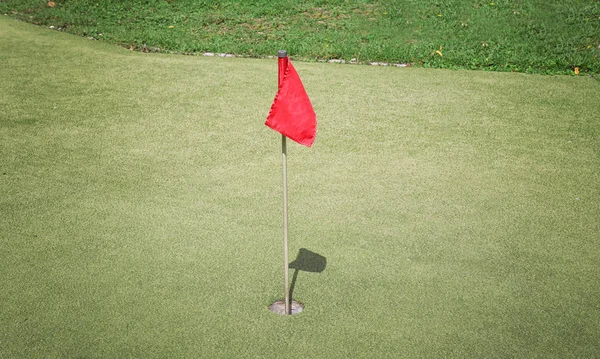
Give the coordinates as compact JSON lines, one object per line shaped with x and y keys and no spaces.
{"x":306,"y":261}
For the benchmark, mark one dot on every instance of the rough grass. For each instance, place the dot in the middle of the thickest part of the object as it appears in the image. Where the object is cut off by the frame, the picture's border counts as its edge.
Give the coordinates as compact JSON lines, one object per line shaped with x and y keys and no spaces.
{"x":504,"y":35}
{"x":140,"y":208}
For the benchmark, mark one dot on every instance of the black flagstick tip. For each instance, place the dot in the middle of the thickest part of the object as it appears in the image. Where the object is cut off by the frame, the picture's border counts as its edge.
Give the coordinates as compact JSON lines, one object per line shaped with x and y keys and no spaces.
{"x":281,"y":53}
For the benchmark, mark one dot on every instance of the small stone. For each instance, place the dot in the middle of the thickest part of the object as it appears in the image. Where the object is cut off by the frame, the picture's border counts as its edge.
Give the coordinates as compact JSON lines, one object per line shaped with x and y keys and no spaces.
{"x":208,"y":54}
{"x":336,"y":61}
{"x":51,"y":27}
{"x":400,"y":65}
{"x":229,"y":55}
{"x":374,"y":63}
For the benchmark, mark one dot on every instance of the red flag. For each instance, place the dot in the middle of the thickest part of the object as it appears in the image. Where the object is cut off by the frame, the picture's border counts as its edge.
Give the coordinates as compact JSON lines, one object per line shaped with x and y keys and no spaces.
{"x":292,"y":114}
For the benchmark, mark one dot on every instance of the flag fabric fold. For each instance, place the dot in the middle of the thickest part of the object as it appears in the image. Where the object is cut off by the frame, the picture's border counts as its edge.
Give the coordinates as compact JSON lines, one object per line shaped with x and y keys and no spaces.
{"x":292,"y":113}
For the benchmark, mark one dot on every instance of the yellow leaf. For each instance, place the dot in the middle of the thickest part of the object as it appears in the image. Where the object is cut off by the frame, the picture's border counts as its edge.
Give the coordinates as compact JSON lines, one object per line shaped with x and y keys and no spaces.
{"x":439,"y":53}
{"x":171,"y":27}
{"x":576,"y":71}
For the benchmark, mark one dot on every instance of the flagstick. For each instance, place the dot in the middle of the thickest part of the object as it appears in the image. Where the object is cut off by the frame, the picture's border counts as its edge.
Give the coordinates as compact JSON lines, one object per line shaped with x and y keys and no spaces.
{"x":282,"y":54}
{"x":285,"y":226}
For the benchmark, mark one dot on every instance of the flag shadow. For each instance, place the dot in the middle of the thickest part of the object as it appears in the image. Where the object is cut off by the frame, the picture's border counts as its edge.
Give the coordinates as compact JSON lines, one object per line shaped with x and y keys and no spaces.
{"x":306,"y":261}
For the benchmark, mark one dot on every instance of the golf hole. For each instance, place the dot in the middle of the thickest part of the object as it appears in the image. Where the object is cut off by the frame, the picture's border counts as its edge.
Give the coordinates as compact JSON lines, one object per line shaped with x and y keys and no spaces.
{"x":279,"y":307}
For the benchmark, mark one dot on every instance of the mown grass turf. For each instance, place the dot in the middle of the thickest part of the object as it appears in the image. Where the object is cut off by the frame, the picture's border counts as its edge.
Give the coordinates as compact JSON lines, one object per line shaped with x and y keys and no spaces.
{"x":140,"y":208}
{"x":503,"y":35}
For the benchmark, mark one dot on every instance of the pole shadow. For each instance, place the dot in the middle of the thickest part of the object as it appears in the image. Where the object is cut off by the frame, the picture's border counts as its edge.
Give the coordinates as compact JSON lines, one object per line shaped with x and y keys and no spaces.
{"x":306,"y":261}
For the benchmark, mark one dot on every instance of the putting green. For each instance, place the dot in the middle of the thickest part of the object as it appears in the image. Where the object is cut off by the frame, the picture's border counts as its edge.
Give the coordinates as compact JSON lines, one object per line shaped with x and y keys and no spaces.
{"x":458,"y":211}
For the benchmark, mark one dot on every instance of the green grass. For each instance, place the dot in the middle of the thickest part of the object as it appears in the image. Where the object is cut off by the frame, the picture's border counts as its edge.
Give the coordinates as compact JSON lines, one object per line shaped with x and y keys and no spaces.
{"x":525,"y":36}
{"x":141,"y":211}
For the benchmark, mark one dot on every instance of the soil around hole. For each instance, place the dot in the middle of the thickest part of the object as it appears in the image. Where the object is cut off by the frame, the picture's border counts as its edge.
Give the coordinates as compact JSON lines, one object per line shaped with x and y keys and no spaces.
{"x":278,"y":307}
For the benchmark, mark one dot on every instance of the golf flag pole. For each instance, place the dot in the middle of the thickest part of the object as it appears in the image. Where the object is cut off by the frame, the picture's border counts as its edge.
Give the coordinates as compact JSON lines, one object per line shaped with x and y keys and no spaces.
{"x":282,"y":59}
{"x":293,"y":116}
